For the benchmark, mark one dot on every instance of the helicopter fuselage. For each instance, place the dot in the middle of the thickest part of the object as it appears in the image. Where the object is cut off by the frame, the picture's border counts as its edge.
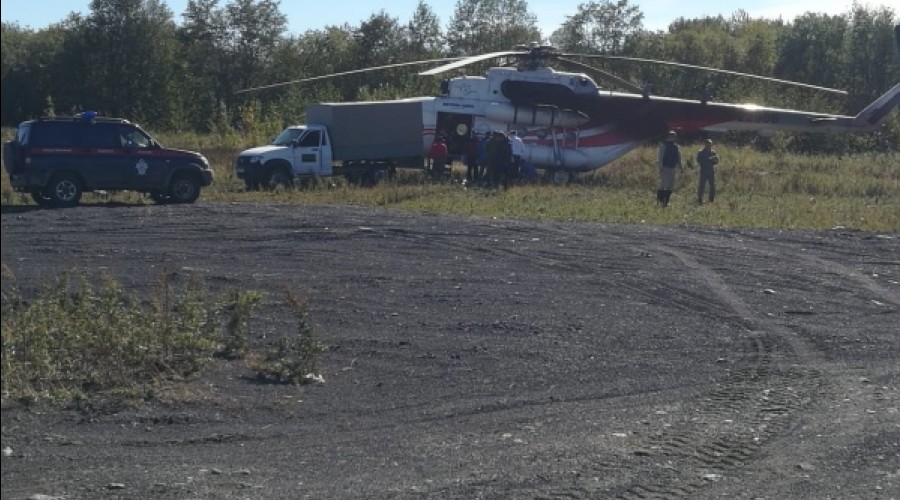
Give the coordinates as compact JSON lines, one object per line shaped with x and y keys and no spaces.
{"x":569,"y":124}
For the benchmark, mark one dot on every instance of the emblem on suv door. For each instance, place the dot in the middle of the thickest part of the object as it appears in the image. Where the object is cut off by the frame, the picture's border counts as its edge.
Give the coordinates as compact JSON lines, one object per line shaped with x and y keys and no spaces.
{"x":142,"y":167}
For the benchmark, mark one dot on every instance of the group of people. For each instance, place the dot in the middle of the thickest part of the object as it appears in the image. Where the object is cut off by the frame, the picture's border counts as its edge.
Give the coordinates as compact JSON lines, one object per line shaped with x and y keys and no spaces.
{"x":499,"y":160}
{"x":669,"y":160}
{"x":495,"y":159}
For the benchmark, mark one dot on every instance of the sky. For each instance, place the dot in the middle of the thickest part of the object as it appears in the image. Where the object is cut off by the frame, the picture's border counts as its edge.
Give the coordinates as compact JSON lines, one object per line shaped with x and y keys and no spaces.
{"x":306,"y":15}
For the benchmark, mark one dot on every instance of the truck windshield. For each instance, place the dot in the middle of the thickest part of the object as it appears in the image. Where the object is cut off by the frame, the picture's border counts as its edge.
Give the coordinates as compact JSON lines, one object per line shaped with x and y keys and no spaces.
{"x":288,"y":136}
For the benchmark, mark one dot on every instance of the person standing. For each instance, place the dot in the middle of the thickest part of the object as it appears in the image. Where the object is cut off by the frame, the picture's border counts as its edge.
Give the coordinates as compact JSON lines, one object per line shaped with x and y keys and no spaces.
{"x":499,"y":153}
{"x":517,"y":146}
{"x":483,"y":160}
{"x":707,"y":159}
{"x":470,"y":148}
{"x":668,"y":158}
{"x":438,"y":155}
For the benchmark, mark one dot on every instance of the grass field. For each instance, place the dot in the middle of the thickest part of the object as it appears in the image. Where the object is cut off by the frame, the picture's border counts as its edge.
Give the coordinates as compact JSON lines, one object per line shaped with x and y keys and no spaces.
{"x":755,"y":189}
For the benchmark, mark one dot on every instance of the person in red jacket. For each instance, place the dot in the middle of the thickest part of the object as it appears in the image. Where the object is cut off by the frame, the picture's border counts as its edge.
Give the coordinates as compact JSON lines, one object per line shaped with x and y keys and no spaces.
{"x":438,"y":155}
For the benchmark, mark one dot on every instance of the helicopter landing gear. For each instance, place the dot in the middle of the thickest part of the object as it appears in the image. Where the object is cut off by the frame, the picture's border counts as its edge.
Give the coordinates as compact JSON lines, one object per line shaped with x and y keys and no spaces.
{"x":560,"y":177}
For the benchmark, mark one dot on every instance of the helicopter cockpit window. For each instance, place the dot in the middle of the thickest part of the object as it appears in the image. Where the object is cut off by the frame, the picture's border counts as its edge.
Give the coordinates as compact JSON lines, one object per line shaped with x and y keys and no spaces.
{"x":310,"y":140}
{"x":288,"y":136}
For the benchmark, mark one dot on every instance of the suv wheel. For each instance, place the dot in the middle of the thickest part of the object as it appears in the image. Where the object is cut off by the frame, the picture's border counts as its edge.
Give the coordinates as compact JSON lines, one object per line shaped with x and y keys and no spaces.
{"x":64,"y":190}
{"x":184,"y":189}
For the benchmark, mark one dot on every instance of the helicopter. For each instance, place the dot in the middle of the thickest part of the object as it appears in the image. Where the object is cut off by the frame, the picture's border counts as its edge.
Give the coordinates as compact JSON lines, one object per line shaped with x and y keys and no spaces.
{"x":570,"y":125}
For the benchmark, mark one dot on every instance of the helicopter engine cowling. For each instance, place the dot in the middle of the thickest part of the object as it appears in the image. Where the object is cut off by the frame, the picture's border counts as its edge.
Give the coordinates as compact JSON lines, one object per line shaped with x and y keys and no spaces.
{"x":543,"y":116}
{"x":548,"y":156}
{"x":547,"y":93}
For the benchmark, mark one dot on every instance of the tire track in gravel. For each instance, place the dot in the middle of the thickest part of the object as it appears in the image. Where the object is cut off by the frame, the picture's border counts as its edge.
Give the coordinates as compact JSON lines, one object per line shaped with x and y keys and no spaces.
{"x":748,"y":409}
{"x":752,"y":407}
{"x":768,"y":389}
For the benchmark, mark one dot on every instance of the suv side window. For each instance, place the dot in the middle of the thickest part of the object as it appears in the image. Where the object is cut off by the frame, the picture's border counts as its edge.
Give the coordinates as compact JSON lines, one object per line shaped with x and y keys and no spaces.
{"x":52,"y":135}
{"x":23,"y":134}
{"x":130,"y":137}
{"x":99,"y":136}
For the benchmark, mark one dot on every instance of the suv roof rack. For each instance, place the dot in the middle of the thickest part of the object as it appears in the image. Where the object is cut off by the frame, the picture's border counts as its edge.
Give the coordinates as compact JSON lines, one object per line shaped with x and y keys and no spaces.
{"x":88,"y":116}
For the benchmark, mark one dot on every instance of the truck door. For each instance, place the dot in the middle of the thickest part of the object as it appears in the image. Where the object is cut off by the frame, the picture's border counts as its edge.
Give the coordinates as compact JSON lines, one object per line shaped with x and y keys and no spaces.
{"x":312,"y":154}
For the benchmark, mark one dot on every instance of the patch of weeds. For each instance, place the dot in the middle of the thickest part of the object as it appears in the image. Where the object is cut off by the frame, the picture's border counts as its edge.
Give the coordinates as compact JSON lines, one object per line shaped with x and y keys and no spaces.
{"x":240,"y":304}
{"x":81,"y":343}
{"x":291,"y":360}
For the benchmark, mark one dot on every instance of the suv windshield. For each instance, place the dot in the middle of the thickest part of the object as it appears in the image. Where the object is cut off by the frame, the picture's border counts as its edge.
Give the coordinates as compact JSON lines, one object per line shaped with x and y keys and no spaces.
{"x":288,"y":136}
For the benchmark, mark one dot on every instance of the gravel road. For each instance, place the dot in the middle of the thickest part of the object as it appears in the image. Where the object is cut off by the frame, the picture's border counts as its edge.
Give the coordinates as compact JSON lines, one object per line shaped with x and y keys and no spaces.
{"x":475,"y":358}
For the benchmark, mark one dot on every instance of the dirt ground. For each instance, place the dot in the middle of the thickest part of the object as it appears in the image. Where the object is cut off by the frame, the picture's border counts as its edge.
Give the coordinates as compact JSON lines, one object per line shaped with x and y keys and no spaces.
{"x":474,"y":358}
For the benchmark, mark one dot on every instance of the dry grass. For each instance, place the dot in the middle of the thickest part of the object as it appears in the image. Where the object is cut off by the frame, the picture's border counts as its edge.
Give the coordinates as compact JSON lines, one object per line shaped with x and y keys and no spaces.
{"x":755,"y":189}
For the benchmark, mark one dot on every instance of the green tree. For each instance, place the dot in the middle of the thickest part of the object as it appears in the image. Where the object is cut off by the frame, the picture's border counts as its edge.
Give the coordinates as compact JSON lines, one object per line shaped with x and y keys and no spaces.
{"x":599,"y":27}
{"x":813,"y":50}
{"x":254,"y":31}
{"x":28,"y":58}
{"x":479,"y":26}
{"x":873,"y":66}
{"x":203,"y":40}
{"x":424,"y":37}
{"x":120,"y":60}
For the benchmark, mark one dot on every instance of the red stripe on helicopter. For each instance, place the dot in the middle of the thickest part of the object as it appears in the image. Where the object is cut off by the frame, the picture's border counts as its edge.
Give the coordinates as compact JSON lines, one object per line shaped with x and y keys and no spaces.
{"x":590,"y":141}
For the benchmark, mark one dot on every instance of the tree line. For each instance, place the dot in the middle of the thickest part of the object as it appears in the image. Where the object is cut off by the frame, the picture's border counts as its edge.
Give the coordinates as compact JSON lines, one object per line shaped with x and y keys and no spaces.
{"x":131,"y":58}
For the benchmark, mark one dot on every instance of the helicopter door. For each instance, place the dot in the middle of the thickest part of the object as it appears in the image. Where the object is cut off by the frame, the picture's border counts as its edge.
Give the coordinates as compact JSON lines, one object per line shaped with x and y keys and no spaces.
{"x":456,"y":129}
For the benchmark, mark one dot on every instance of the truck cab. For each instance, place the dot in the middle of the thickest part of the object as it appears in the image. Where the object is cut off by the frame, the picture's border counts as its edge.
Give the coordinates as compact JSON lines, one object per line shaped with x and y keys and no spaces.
{"x":298,"y":151}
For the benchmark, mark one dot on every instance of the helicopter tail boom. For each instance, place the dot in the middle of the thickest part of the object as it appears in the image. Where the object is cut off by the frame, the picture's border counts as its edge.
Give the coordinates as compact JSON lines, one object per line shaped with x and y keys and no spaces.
{"x":742,"y":117}
{"x":876,"y":113}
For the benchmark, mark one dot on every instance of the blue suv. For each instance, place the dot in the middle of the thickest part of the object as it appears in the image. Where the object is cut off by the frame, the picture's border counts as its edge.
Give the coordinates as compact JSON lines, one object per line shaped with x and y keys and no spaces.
{"x":57,"y":159}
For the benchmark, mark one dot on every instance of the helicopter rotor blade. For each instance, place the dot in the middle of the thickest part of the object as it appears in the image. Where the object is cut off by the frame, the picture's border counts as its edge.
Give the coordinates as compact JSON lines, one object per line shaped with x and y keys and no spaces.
{"x":604,"y":74}
{"x":344,"y":73}
{"x":713,"y":70}
{"x":465,"y":61}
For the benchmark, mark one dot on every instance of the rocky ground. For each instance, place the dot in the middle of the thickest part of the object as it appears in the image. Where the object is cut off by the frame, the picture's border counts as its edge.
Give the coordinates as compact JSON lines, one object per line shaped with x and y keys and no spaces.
{"x":479,"y":358}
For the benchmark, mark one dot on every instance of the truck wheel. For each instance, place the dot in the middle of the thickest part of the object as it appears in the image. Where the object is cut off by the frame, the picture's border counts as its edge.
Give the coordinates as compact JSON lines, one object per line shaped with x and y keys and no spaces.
{"x":279,"y":177}
{"x":184,"y":189}
{"x":64,"y":190}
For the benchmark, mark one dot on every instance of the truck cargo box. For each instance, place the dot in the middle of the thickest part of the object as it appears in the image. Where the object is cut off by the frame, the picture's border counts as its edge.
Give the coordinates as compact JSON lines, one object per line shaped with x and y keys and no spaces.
{"x":371,"y":130}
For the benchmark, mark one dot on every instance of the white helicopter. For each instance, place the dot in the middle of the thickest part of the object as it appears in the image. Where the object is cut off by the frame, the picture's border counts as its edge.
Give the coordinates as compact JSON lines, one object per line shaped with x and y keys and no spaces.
{"x":570,"y":125}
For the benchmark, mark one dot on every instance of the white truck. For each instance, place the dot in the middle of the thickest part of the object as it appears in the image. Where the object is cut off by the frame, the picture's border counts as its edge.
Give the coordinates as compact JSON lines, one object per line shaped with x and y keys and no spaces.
{"x":363,"y":141}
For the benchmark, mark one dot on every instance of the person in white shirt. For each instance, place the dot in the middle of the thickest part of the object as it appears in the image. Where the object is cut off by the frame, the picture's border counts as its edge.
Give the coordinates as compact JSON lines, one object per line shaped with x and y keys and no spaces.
{"x":518,"y":154}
